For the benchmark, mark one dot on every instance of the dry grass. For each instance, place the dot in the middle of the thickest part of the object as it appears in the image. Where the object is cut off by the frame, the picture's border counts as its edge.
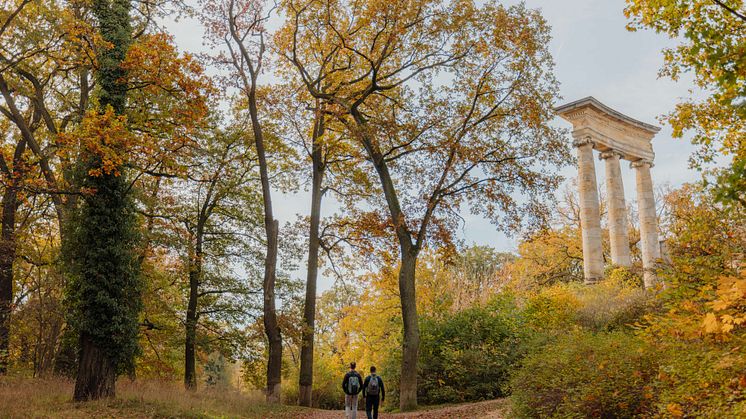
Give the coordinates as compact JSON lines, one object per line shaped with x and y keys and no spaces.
{"x":52,"y":398}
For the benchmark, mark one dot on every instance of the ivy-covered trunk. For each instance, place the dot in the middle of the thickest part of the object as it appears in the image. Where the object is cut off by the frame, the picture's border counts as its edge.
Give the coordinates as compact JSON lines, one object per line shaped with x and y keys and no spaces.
{"x":105,"y":285}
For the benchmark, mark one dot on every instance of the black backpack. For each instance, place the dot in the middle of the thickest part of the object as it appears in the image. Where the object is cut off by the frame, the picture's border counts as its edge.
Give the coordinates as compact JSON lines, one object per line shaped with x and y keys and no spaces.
{"x":374,"y":386}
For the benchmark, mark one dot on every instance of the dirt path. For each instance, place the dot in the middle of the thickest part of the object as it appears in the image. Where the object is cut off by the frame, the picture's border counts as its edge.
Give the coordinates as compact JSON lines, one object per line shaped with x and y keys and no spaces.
{"x":492,"y":409}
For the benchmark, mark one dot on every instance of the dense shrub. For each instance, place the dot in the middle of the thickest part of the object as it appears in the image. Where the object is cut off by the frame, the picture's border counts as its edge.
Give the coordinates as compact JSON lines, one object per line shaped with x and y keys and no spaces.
{"x":612,"y":304}
{"x":586,"y":375}
{"x":468,"y":356}
{"x":699,"y":379}
{"x":552,"y":309}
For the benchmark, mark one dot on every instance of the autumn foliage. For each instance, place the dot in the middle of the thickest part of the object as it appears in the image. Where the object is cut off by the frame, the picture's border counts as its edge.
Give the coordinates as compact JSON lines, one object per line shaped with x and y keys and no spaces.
{"x":144,"y":229}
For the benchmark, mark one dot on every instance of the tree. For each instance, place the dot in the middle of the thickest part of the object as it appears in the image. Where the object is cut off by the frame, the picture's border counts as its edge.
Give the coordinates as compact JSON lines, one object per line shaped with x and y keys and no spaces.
{"x":39,"y":311}
{"x":450,"y":103}
{"x":292,"y":116}
{"x":46,"y":58}
{"x":703,"y":320}
{"x":38,"y":54}
{"x":105,"y":286}
{"x":12,"y":178}
{"x":239,"y":26}
{"x":477,"y":274}
{"x":218,"y":220}
{"x":712,"y":35}
{"x":301,"y":122}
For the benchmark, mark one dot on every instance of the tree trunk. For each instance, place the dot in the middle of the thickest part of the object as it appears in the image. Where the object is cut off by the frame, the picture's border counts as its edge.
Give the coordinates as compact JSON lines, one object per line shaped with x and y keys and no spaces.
{"x":411,"y":343}
{"x":409,"y":252}
{"x":7,"y":257}
{"x":271,"y":327}
{"x":271,"y":227}
{"x":309,"y":309}
{"x":111,"y":298}
{"x":96,"y":373}
{"x":190,"y":373}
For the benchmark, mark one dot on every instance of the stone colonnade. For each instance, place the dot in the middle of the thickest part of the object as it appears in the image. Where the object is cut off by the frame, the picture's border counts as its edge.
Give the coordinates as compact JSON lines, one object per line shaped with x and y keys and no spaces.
{"x":617,"y":137}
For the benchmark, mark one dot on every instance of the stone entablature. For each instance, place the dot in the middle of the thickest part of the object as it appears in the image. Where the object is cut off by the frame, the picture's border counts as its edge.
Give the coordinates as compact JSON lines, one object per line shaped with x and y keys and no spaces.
{"x":617,"y":137}
{"x":609,"y":129}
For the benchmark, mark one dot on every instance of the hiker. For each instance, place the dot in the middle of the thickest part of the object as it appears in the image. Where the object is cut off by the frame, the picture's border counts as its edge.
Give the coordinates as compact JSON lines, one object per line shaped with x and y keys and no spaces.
{"x":373,"y":393}
{"x":352,"y":384}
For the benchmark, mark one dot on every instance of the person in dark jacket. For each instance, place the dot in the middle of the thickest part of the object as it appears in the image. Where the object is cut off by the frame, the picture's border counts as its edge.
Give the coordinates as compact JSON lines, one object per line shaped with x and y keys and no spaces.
{"x":352,"y":384}
{"x":374,"y":393}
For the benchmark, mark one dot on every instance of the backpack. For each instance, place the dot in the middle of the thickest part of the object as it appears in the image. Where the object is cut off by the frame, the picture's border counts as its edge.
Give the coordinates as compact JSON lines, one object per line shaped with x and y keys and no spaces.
{"x":353,"y":384}
{"x":374,"y":386}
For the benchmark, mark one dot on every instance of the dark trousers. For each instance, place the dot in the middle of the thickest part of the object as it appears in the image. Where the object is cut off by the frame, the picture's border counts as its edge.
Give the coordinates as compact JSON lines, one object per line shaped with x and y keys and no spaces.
{"x":371,"y":403}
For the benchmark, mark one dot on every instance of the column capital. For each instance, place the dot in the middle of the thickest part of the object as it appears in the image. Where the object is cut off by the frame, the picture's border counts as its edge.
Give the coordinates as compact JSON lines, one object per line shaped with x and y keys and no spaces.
{"x":579,"y":142}
{"x":609,"y":154}
{"x":641,"y":163}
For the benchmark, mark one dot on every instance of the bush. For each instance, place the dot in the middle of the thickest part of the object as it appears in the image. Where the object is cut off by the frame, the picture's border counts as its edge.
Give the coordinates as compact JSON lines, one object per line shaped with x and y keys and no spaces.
{"x":468,"y":356}
{"x":586,"y":375}
{"x":699,"y":379}
{"x":612,"y":304}
{"x":553,"y":308}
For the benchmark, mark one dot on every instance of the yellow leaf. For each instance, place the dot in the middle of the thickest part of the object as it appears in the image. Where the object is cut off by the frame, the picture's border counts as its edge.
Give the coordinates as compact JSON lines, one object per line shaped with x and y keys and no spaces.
{"x":710,"y":323}
{"x":719,"y":305}
{"x":675,"y":410}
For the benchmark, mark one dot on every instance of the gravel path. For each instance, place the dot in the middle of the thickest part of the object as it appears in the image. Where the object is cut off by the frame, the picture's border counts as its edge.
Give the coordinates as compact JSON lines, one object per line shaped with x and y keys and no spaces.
{"x":492,"y":409}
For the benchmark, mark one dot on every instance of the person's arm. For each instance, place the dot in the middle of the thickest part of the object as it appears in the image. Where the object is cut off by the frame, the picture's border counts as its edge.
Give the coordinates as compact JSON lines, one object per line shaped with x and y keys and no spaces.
{"x":383,"y":390}
{"x":344,"y":383}
{"x":365,"y":385}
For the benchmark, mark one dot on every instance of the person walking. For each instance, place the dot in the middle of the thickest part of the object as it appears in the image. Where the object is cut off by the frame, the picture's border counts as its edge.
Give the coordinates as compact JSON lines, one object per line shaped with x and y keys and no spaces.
{"x":373,"y":393}
{"x":352,"y":384}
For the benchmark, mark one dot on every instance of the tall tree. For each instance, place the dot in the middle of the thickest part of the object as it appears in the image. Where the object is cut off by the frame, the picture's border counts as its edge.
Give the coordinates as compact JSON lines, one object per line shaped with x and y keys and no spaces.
{"x":105,"y":286}
{"x":240,"y":26}
{"x":318,"y":167}
{"x":450,"y":102}
{"x":218,"y":218}
{"x":334,"y":169}
{"x":11,"y":175}
{"x":39,"y":54}
{"x":711,"y":36}
{"x":46,"y":56}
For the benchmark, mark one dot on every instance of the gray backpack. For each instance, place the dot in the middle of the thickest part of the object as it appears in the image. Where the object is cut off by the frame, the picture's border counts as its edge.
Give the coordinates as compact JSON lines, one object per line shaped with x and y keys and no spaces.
{"x":374,"y":386}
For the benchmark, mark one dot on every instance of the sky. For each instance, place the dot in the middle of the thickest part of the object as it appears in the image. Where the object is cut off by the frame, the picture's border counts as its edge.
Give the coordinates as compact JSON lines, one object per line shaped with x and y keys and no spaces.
{"x":595,"y":56}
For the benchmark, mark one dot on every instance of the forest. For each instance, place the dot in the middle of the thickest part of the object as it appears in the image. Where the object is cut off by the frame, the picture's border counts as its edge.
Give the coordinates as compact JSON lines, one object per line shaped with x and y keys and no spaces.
{"x":147,"y":269}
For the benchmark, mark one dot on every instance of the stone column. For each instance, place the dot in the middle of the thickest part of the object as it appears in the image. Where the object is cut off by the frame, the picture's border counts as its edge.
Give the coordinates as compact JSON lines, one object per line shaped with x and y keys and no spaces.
{"x":648,"y":220}
{"x":590,"y":215}
{"x":618,"y":236}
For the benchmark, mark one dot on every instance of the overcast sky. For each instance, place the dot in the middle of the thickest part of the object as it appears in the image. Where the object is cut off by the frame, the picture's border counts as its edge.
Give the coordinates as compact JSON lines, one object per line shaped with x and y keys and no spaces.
{"x":595,"y":56}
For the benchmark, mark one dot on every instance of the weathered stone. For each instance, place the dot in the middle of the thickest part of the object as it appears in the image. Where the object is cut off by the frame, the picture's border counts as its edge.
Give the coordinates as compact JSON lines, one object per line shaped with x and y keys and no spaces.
{"x":648,"y":220}
{"x":617,"y":207}
{"x":590,"y":216}
{"x":616,"y":136}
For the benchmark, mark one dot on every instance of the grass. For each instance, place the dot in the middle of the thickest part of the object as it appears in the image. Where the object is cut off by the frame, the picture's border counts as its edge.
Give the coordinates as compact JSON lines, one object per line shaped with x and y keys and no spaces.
{"x":52,"y":398}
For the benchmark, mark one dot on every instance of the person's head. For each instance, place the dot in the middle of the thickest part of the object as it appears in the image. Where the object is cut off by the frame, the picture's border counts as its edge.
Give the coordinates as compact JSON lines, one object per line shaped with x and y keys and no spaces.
{"x":353,"y":365}
{"x":373,"y":370}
